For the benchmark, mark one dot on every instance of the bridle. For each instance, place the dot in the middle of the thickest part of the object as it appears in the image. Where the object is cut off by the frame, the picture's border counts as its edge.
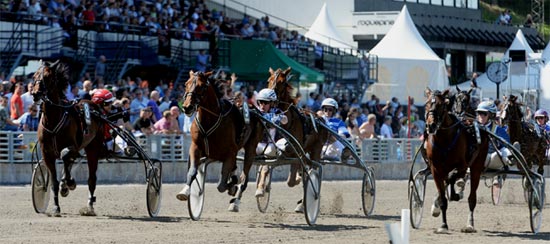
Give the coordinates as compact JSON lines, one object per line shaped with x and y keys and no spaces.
{"x":438,"y":114}
{"x":273,"y":85}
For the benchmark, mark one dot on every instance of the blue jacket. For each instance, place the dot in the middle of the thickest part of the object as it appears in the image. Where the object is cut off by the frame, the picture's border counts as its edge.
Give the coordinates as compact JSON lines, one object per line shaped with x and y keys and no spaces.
{"x":500,"y":131}
{"x":338,"y":125}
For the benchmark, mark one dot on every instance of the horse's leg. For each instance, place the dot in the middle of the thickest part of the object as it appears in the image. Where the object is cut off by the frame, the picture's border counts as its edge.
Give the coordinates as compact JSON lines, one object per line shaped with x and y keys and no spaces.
{"x":193,"y":164}
{"x":49,"y":160}
{"x":228,"y":166}
{"x":454,"y":179}
{"x":68,"y":155}
{"x":250,"y":153}
{"x":475,"y":175}
{"x":442,"y":200}
{"x":92,"y":157}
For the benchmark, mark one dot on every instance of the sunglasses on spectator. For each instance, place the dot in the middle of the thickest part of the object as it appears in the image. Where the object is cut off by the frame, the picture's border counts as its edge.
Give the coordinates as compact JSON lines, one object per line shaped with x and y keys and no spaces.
{"x":482,"y":113}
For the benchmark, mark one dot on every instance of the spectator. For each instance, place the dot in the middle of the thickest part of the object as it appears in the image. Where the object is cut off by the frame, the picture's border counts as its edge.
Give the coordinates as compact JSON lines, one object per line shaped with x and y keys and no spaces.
{"x":368,"y":128}
{"x":529,"y":21}
{"x":27,"y":98}
{"x":364,"y":69}
{"x":138,"y":103}
{"x":100,"y":68}
{"x":31,"y":119}
{"x":203,"y":61}
{"x":16,"y":104}
{"x":87,"y":87}
{"x":153,"y":103}
{"x":176,"y":125}
{"x":386,"y":130}
{"x":6,"y":123}
{"x":163,"y":125}
{"x":144,"y":124}
{"x":319,"y":56}
{"x":352,"y":122}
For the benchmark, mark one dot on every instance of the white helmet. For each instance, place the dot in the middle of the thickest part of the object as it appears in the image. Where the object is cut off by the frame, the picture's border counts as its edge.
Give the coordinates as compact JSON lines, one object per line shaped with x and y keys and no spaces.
{"x":487,"y":106}
{"x":267,"y":95}
{"x":330,"y":102}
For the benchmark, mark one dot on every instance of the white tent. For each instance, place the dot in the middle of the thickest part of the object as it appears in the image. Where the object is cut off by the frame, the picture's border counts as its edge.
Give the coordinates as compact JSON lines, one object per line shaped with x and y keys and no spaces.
{"x":322,"y":30}
{"x":406,"y":64}
{"x":545,"y":78}
{"x":523,"y":74}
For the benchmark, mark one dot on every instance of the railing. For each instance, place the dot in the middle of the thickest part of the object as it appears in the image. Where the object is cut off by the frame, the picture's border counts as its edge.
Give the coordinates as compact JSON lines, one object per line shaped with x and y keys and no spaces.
{"x":17,"y":148}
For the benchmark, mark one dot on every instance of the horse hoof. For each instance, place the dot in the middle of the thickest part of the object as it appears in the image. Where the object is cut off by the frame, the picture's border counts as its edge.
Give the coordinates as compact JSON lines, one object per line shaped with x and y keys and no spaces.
{"x":295,"y":182}
{"x":234,"y":205}
{"x":442,"y":230}
{"x":64,"y":190}
{"x":87,"y":211}
{"x":71,"y":184}
{"x":56,"y":212}
{"x":183,"y":195}
{"x":435,"y":211}
{"x":468,"y":229}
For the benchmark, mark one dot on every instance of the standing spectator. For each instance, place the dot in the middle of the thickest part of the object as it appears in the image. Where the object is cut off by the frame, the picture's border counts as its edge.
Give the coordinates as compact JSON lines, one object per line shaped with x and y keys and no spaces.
{"x":100,"y":68}
{"x":163,"y":125}
{"x":5,"y":122}
{"x":138,"y":103}
{"x":16,"y":104}
{"x":203,"y":60}
{"x":385,"y":130}
{"x":364,"y":69}
{"x":319,"y":56}
{"x":31,"y":120}
{"x":368,"y":129}
{"x":144,"y":124}
{"x":529,"y":21}
{"x":27,"y":98}
{"x":153,"y":103}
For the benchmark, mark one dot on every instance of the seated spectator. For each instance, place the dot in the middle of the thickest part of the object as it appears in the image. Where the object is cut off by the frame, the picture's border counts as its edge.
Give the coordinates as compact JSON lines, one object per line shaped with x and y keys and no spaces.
{"x":144,"y":122}
{"x":386,"y":130}
{"x":164,"y":124}
{"x":175,"y":126}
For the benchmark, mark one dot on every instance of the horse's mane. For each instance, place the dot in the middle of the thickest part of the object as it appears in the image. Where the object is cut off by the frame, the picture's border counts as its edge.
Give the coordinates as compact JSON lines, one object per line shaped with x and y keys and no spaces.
{"x":58,"y":76}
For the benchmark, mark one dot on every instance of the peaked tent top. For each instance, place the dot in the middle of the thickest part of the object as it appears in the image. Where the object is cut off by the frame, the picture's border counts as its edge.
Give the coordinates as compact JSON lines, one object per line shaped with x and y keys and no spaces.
{"x":322,"y":30}
{"x":546,"y":54}
{"x":403,"y":41}
{"x":519,"y":43}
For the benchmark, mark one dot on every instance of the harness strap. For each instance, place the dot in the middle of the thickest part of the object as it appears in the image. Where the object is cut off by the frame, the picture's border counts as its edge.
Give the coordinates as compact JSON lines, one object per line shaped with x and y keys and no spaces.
{"x":212,"y":129}
{"x":453,"y":143}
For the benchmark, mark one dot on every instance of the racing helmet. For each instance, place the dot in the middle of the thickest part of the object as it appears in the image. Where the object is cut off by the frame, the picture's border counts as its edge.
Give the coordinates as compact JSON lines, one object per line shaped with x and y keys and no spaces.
{"x":102,"y":96}
{"x":330,"y":102}
{"x":267,"y":95}
{"x":541,"y":113}
{"x":487,"y":106}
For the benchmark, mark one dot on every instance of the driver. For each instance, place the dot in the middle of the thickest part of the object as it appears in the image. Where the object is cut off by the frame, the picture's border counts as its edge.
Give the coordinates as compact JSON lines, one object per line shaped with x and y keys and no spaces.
{"x":541,"y":117}
{"x":104,"y":98}
{"x":332,"y":150}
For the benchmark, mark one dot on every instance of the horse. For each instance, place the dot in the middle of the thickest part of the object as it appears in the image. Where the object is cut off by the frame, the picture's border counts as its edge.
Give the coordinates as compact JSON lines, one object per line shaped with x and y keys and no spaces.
{"x":533,"y":145}
{"x":218,"y":133}
{"x":461,"y":106}
{"x":61,"y":132}
{"x":299,"y":124}
{"x":445,"y":146}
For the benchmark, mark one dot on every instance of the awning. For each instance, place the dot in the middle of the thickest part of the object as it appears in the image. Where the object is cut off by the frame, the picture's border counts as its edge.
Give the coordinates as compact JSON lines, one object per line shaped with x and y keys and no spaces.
{"x":251,"y":60}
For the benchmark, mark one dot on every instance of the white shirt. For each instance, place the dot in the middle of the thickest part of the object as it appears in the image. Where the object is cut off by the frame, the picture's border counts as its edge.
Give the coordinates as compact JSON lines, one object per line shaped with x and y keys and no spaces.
{"x":386,"y":131}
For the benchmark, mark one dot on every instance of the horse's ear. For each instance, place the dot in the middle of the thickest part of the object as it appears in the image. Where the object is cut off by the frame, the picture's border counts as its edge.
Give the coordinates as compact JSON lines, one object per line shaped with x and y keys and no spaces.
{"x":470,"y":91}
{"x":446,"y":92}
{"x":191,"y":72}
{"x":458,"y":89}
{"x":287,"y":70}
{"x":271,"y":71}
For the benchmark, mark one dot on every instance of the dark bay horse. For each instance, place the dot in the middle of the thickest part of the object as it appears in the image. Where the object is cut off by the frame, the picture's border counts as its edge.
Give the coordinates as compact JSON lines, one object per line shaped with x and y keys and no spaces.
{"x":61,"y":133}
{"x":300,"y":123}
{"x":446,"y":145}
{"x":218,"y":132}
{"x":533,"y":146}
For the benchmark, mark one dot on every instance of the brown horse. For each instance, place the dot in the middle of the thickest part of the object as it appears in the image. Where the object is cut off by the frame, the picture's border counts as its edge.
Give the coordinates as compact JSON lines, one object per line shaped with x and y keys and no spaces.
{"x":533,"y":146}
{"x":60,"y":132}
{"x":446,"y":145}
{"x":300,"y":124}
{"x":219,"y":131}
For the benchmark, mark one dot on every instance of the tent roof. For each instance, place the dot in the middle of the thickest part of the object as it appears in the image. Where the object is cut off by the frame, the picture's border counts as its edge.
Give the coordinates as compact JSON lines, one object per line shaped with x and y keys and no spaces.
{"x":322,"y":30}
{"x":546,"y":53}
{"x":519,"y":43}
{"x":403,"y":41}
{"x":251,"y":60}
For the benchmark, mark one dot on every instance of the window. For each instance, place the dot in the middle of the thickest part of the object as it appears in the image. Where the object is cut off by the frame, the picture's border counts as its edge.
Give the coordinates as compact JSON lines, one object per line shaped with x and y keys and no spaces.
{"x":473,"y":4}
{"x":424,"y":1}
{"x":449,"y":3}
{"x":436,"y":2}
{"x":469,"y":64}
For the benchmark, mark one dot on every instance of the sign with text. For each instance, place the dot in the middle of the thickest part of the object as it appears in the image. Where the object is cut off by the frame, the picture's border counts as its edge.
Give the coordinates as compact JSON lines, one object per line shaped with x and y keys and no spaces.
{"x":373,"y":23}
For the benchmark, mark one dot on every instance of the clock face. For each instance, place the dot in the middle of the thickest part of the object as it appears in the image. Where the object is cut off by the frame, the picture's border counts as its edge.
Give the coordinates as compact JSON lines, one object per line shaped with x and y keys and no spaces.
{"x":497,"y":72}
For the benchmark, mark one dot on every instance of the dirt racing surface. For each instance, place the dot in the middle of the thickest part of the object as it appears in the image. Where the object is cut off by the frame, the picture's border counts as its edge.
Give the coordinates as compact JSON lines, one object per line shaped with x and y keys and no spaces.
{"x":122,"y":217}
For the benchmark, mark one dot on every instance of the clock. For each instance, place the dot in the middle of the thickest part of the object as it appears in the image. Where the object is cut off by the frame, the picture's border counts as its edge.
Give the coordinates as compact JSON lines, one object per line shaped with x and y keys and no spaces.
{"x":497,"y":72}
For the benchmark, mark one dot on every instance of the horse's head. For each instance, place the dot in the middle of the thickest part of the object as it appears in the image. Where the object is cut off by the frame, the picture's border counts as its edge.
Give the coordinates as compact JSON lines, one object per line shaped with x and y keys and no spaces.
{"x":436,"y":109}
{"x":461,"y":102}
{"x":195,"y":91}
{"x":278,"y":81}
{"x":50,"y":81}
{"x":511,"y":110}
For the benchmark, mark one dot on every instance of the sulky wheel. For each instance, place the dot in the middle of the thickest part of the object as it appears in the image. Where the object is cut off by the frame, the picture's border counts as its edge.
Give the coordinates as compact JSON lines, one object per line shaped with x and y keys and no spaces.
{"x":368,"y":193}
{"x":263,"y":201}
{"x":196,"y":197}
{"x":417,"y":189}
{"x":41,"y":187}
{"x":496,"y":189}
{"x":312,"y":196}
{"x":154,"y":188}
{"x":536,"y":204}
